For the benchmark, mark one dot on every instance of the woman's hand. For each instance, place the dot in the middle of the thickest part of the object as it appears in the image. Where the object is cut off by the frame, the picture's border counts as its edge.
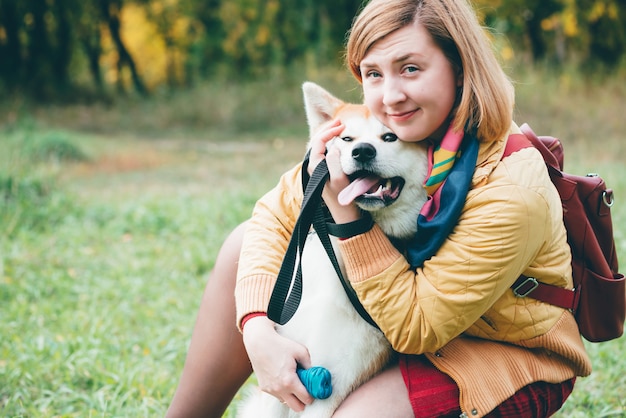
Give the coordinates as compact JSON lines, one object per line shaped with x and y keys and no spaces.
{"x":338,"y":180}
{"x":274,"y":359}
{"x":320,"y":140}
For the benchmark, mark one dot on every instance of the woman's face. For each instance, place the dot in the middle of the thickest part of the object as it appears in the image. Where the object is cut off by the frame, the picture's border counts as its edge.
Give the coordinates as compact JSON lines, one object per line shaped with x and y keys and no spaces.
{"x":409,"y":84}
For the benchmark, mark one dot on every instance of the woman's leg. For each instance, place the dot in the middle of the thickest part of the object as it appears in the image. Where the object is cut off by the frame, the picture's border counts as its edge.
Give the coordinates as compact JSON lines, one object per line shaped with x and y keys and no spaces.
{"x":434,"y":394}
{"x":217,"y":364}
{"x":385,"y":395}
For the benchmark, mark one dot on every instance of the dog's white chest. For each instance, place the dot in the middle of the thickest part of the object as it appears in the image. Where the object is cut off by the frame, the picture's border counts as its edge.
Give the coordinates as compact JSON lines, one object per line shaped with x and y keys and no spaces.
{"x":336,"y":336}
{"x":326,"y":322}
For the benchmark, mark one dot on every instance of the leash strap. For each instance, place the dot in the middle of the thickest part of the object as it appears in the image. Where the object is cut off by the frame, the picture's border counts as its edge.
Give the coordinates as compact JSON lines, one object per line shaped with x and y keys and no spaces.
{"x":287,"y":291}
{"x":283,"y":302}
{"x":321,"y":227}
{"x":351,"y":229}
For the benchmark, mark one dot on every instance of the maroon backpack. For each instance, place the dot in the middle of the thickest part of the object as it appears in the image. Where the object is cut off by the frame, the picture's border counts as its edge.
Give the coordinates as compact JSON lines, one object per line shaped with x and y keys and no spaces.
{"x":598,"y":299}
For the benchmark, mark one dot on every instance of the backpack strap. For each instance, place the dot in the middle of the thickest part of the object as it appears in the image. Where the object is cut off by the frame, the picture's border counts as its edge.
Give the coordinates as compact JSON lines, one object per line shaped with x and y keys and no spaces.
{"x":514,"y":143}
{"x":554,"y":295}
{"x":530,"y":286}
{"x":550,"y":147}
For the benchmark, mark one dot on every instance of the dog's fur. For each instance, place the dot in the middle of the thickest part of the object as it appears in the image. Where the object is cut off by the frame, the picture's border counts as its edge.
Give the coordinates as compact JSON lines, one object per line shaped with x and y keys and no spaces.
{"x":326,"y":323}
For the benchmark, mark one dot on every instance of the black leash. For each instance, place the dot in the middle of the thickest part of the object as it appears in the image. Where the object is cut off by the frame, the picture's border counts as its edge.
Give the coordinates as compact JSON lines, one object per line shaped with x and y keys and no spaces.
{"x":287,"y":291}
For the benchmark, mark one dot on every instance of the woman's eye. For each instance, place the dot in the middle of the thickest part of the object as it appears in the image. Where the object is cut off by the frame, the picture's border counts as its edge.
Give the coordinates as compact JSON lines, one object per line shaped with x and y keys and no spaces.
{"x":373,"y":74}
{"x":347,"y":139}
{"x":411,"y":69}
{"x":389,"y":137}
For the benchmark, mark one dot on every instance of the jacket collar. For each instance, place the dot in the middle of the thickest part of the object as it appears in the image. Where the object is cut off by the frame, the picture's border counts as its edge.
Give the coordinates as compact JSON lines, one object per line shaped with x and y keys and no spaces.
{"x":489,"y":155}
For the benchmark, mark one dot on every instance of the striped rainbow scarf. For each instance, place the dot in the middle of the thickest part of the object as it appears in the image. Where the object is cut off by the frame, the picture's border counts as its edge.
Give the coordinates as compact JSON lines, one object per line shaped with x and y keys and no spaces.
{"x":451,"y":167}
{"x":441,"y":158}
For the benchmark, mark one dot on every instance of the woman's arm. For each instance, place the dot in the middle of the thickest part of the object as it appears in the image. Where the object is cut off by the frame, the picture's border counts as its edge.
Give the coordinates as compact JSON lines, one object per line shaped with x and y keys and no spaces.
{"x":502,"y":230}
{"x":274,"y":358}
{"x":267,"y":236}
{"x":270,"y":228}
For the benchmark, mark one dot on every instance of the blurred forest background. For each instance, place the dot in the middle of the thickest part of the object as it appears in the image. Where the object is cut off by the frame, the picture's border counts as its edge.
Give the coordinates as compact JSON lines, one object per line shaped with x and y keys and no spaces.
{"x":90,"y":49}
{"x":136,"y":134}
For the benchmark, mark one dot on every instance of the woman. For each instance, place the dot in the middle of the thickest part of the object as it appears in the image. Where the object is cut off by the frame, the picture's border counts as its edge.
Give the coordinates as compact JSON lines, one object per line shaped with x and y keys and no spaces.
{"x":468,"y":346}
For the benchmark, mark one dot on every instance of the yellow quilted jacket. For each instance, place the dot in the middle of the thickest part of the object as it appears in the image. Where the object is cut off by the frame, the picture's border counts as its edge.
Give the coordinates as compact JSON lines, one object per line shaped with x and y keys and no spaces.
{"x":458,"y":309}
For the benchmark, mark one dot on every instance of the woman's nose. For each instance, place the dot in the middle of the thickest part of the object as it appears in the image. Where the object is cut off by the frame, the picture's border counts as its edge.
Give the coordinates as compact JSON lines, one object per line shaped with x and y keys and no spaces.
{"x":393,"y":92}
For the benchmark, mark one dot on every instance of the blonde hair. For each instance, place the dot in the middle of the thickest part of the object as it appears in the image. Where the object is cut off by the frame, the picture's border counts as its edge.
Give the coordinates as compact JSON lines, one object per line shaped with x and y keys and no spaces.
{"x":487,"y":97}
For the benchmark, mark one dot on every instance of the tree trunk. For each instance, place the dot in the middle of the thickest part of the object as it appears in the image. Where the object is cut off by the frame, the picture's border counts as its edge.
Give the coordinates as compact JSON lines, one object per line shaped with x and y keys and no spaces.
{"x":93,"y":51}
{"x":111,"y":12}
{"x":38,"y":64}
{"x":63,"y":51}
{"x":11,"y":64}
{"x":608,"y":41}
{"x":533,"y":31}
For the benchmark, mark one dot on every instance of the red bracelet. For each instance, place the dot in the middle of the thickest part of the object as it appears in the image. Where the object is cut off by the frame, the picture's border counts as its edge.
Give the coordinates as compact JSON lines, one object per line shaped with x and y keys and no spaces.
{"x":250,"y":316}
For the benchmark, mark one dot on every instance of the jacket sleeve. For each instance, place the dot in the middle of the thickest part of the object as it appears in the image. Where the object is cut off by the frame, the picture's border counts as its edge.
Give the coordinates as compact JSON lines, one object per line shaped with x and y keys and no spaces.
{"x":501,"y":230}
{"x":265,"y":242}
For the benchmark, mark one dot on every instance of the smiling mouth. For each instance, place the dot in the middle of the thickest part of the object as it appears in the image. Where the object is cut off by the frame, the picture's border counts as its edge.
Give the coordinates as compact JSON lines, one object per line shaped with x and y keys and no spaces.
{"x":403,"y":115}
{"x":370,"y":190}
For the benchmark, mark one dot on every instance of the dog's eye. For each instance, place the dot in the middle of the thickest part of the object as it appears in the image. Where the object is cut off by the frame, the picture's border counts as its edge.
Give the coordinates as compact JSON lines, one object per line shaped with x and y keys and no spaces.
{"x":347,"y":139}
{"x":389,"y":137}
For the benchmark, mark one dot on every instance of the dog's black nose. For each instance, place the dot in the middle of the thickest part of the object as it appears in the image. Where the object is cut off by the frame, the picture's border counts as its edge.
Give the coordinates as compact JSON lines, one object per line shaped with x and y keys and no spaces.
{"x":363,"y":152}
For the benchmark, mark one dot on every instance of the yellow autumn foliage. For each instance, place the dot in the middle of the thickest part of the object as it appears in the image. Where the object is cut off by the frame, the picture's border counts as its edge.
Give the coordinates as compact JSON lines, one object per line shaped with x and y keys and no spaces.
{"x":159,"y":34}
{"x":146,"y":43}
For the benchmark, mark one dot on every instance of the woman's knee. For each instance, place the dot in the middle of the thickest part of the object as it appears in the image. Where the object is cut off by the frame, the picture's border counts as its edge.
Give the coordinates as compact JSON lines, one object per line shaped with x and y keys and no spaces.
{"x":227,"y":259}
{"x":383,"y":395}
{"x":232,"y":244}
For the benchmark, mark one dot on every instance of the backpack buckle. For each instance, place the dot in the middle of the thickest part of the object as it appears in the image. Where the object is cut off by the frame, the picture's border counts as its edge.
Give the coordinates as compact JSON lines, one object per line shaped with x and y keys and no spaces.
{"x":525,"y":287}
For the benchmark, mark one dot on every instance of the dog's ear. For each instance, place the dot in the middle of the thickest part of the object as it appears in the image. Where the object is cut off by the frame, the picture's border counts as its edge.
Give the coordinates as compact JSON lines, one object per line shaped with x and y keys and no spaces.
{"x":320,"y":106}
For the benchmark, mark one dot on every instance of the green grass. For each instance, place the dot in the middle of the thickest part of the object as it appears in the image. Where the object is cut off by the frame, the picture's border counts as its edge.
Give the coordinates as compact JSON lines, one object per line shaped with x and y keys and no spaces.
{"x":111,"y":218}
{"x":98,"y":310}
{"x":101,"y":273}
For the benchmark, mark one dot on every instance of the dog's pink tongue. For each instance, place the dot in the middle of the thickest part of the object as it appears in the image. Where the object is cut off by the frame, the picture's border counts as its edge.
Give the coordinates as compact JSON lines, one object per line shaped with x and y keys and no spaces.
{"x":357,"y":188}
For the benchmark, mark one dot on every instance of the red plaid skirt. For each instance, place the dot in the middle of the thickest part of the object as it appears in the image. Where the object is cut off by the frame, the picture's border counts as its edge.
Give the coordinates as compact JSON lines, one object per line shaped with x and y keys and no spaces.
{"x":434,"y":394}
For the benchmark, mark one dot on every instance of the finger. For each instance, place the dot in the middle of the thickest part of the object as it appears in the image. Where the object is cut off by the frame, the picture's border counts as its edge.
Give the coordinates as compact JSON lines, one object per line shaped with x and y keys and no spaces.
{"x":333,"y":159}
{"x":303,"y":358}
{"x":302,"y":395}
{"x":293,"y":393}
{"x":294,"y":403}
{"x":298,"y":398}
{"x":319,"y":141}
{"x":338,"y":179}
